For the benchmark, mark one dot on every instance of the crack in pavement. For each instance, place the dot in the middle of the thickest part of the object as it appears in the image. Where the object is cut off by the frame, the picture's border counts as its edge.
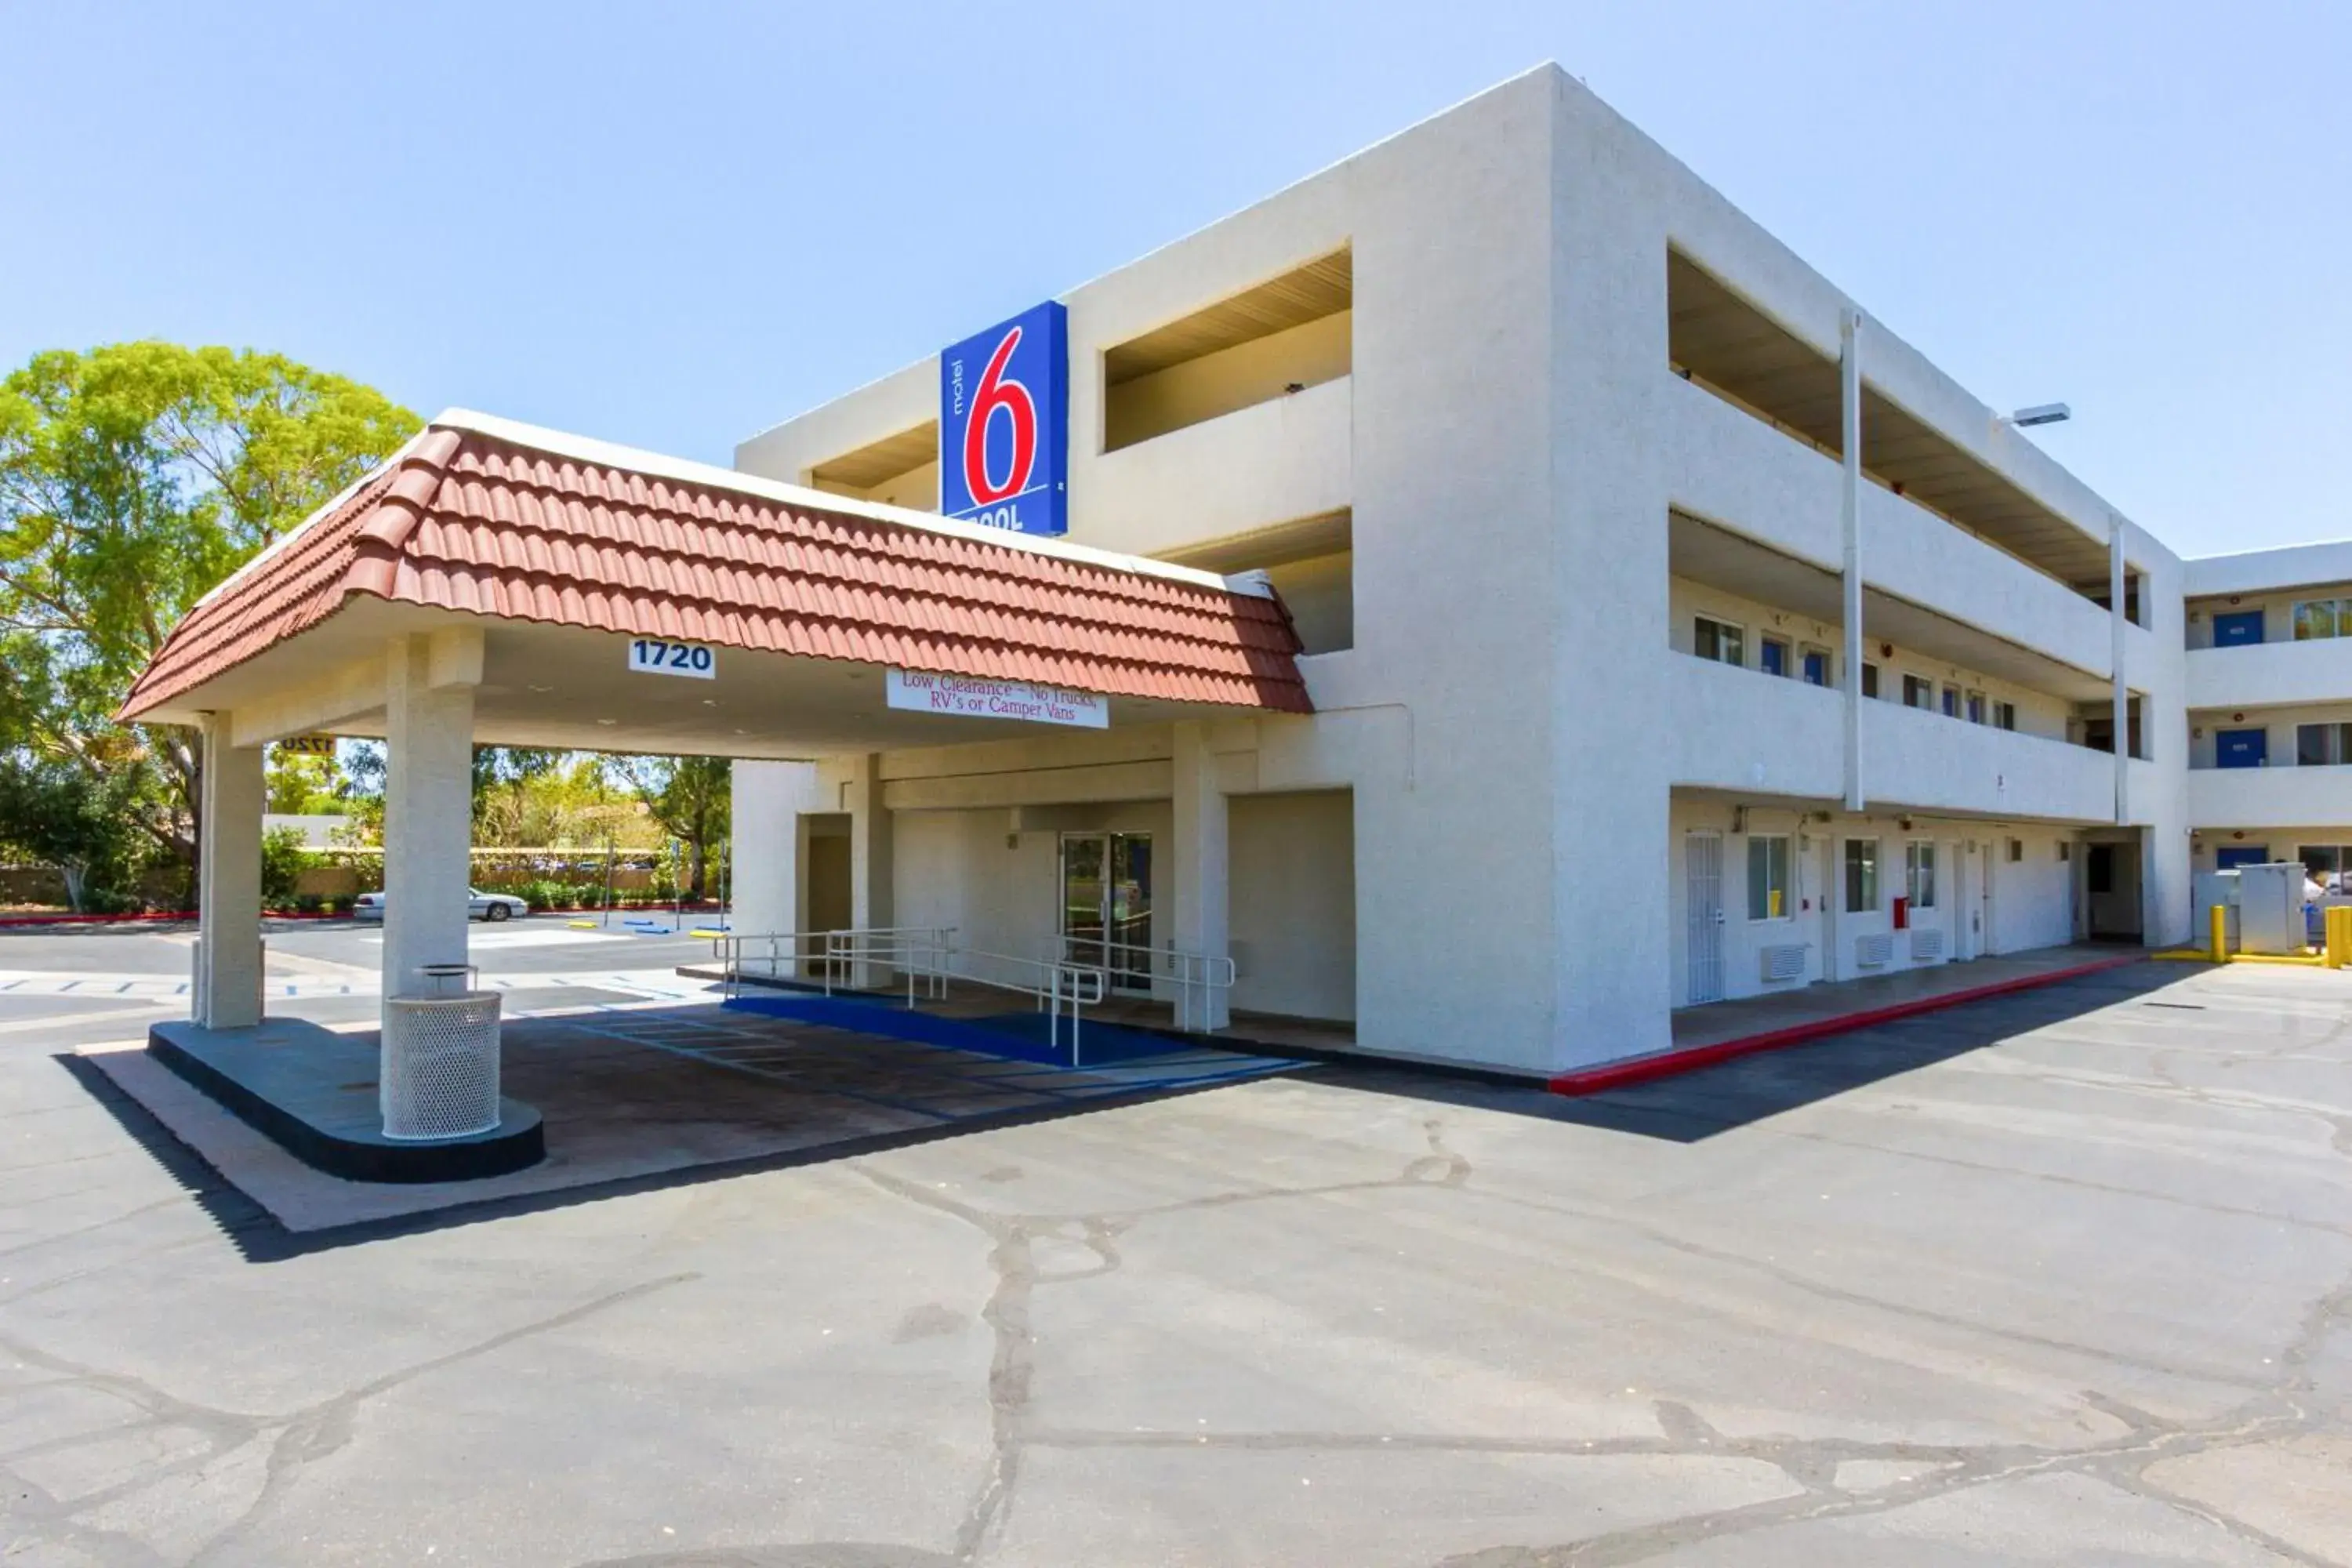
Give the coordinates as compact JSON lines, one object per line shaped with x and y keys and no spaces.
{"x":1013,"y":1258}
{"x":2268,"y":1414}
{"x":2277,"y":1413}
{"x":177,"y":1199}
{"x":296,"y":1438}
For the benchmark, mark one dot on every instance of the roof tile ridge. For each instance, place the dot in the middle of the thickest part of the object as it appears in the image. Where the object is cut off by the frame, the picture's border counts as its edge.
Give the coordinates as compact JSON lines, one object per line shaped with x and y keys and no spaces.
{"x":401,"y":505}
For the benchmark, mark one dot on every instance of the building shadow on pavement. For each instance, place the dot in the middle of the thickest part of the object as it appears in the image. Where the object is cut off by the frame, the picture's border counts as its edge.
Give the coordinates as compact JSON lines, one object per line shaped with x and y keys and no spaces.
{"x":633,"y":1101}
{"x":1699,"y":1104}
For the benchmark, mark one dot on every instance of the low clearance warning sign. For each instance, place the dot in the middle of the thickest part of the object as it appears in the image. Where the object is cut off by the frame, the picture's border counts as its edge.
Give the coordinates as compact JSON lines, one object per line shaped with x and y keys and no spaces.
{"x":971,"y":697}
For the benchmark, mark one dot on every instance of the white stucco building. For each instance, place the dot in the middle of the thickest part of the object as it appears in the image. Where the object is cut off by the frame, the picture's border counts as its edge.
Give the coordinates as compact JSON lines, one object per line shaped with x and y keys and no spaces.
{"x":2270,"y":710}
{"x":1639,"y":682}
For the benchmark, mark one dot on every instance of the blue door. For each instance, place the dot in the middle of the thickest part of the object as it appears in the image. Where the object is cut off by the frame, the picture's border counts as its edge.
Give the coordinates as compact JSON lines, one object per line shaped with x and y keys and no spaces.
{"x":2241,"y":748}
{"x":2237,"y":629}
{"x":1817,"y":670}
{"x":1776,"y":657}
{"x":2230,"y":858}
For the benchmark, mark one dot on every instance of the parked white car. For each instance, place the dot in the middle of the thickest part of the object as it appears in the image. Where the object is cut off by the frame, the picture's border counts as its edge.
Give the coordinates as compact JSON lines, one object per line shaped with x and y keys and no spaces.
{"x":480,"y":905}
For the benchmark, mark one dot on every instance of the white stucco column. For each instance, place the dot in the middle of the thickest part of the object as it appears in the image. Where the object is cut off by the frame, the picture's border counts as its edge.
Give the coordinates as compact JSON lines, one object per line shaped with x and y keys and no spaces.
{"x":2117,"y":576}
{"x":764,"y":851}
{"x":227,"y":986}
{"x":1202,"y":867}
{"x":870,"y":871}
{"x":1850,"y":509}
{"x":428,"y":803}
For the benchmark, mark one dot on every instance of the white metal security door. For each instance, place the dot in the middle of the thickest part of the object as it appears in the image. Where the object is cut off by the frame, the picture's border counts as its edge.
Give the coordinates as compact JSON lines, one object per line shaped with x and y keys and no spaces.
{"x":1703,"y":899}
{"x":1971,"y":877}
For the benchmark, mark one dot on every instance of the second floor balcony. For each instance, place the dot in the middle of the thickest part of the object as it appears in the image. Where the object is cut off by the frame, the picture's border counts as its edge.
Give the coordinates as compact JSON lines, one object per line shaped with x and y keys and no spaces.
{"x":2271,"y":674}
{"x":2269,"y":797}
{"x":1741,"y":729}
{"x":1742,"y":476}
{"x":1268,"y":463}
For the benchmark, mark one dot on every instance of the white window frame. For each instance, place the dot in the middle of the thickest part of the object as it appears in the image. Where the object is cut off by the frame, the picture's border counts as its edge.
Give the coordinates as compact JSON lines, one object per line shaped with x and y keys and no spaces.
{"x":1846,"y":878}
{"x":1912,"y":861}
{"x":1788,"y":878}
{"x":2004,"y":715}
{"x":2338,"y":734}
{"x":2336,"y":608}
{"x":1738,"y":631}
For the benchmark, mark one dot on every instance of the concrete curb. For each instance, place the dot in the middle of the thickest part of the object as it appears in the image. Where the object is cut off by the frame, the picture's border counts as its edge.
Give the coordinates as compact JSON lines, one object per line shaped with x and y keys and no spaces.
{"x":1669,"y":1064}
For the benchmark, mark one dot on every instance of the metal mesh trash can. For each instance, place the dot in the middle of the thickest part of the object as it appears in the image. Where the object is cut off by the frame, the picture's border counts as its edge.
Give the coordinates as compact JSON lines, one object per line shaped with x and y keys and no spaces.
{"x":440,"y":1066}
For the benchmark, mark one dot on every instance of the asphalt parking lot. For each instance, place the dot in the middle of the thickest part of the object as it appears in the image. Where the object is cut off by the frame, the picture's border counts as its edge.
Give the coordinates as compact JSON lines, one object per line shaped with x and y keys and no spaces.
{"x":2065,"y":1276}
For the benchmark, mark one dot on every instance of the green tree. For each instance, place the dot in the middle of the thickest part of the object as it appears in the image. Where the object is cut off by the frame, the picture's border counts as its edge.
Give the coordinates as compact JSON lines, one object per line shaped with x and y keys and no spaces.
{"x":301,"y":785}
{"x":571,"y":802}
{"x":283,"y":861}
{"x":51,"y":814}
{"x":503,"y":779}
{"x":690,"y":797}
{"x":132,"y":478}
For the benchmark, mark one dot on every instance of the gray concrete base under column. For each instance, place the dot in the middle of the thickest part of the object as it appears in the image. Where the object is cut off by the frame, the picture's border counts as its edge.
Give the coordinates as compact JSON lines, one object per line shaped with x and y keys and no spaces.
{"x":313,"y":1092}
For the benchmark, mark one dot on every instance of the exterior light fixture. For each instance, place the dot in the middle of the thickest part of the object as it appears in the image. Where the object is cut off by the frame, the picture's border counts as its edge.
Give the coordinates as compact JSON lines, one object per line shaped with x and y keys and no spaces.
{"x":2040,"y":414}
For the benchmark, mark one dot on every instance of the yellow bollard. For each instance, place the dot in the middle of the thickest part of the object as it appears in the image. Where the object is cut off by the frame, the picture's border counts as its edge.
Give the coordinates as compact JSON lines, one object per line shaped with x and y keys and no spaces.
{"x":2338,"y":932}
{"x":2218,"y":942}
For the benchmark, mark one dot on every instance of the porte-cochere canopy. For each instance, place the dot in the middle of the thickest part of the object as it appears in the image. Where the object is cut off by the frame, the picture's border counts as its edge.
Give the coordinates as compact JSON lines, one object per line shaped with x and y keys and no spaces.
{"x":527,"y":527}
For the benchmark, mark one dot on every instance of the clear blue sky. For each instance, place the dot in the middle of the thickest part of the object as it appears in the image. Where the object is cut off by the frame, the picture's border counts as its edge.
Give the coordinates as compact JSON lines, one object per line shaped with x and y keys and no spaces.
{"x":673,"y":225}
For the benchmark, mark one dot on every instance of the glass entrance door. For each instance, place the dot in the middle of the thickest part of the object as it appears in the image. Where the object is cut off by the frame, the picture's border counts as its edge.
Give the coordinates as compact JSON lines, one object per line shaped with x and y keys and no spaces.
{"x":1106,"y":905}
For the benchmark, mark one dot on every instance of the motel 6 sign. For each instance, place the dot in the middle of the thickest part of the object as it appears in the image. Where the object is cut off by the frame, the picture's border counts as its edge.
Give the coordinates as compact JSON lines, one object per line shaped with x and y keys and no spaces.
{"x":1004,"y":424}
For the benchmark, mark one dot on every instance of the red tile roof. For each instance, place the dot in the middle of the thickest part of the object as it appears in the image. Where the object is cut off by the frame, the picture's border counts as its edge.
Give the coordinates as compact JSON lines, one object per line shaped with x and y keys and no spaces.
{"x":462,"y":519}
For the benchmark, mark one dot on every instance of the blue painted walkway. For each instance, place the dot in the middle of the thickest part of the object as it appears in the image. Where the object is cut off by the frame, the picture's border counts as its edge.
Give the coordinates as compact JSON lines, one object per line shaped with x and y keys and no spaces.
{"x":1135,"y":1058}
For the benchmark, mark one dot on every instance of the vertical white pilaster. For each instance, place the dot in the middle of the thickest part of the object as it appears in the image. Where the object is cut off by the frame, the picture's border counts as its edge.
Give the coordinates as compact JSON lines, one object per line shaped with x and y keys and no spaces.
{"x":765,"y":851}
{"x":1202,"y":867}
{"x":228,"y":988}
{"x":1850,"y":509}
{"x":428,"y":805}
{"x":870,"y":869}
{"x":2117,"y":621}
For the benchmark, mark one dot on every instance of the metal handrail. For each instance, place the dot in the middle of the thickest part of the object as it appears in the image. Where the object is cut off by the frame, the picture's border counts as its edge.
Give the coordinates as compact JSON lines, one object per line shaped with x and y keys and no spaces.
{"x":929,"y":960}
{"x":829,"y":951}
{"x":1194,"y":977}
{"x":1056,"y":985}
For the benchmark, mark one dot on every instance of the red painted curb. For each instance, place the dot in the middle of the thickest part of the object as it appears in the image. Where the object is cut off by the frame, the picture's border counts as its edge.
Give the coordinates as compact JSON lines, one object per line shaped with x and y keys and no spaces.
{"x":1668,"y":1064}
{"x":41,"y":920}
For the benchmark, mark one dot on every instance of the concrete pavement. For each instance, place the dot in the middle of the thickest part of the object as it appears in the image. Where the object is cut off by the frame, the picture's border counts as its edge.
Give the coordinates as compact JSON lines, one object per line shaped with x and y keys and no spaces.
{"x":2063,"y":1278}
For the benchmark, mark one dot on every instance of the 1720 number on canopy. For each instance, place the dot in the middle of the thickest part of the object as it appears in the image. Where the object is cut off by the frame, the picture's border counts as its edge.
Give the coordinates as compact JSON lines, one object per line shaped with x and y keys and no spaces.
{"x":652,"y":656}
